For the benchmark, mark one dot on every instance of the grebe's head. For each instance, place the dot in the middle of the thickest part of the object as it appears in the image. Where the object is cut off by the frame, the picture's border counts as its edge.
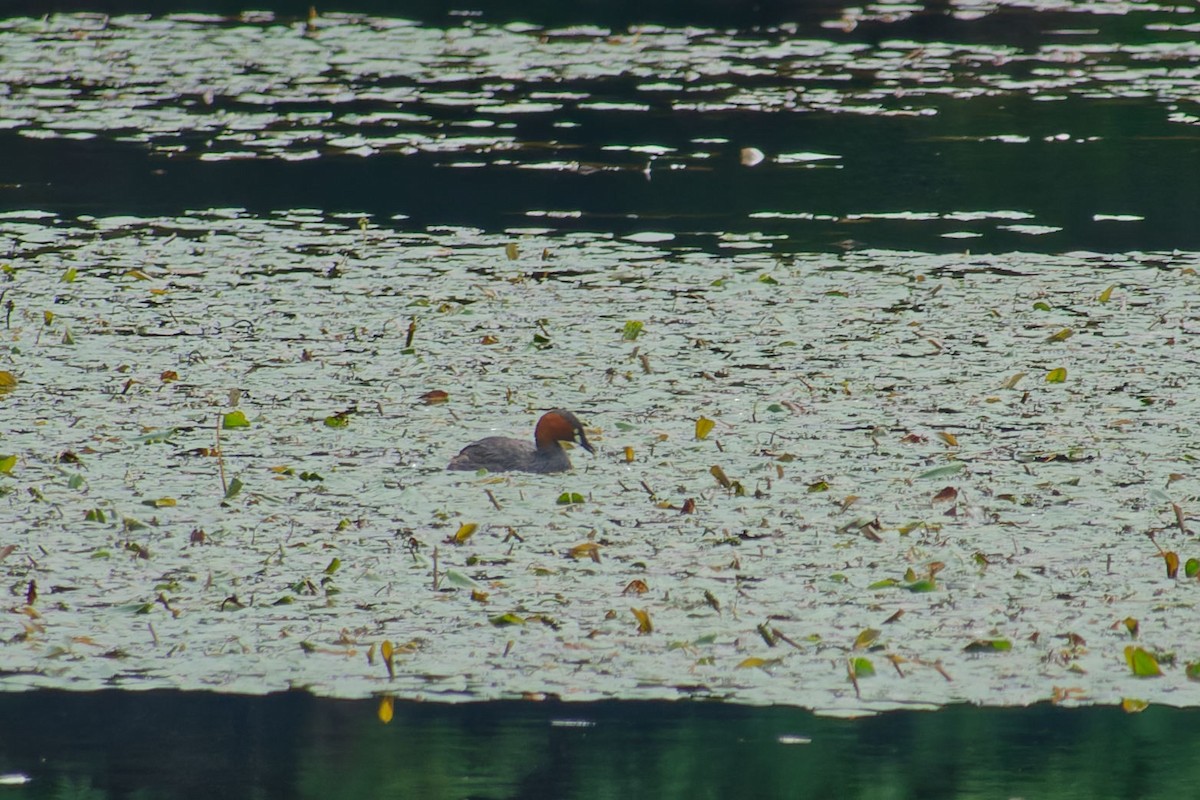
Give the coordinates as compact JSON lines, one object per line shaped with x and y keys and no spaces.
{"x":560,"y":426}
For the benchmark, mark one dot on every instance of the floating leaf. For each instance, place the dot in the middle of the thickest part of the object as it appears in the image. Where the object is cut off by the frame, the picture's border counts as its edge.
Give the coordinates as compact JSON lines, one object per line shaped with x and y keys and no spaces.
{"x":1132,"y":705}
{"x":643,"y":620}
{"x":7,"y":463}
{"x":818,"y":486}
{"x":1012,"y":382}
{"x":1141,"y":662}
{"x":161,"y":502}
{"x":720,"y":475}
{"x":1060,"y":336}
{"x":1057,"y":375}
{"x":1106,"y":295}
{"x":169,"y":376}
{"x":235,"y":488}
{"x":235,"y":419}
{"x":464,"y":532}
{"x":767,"y":279}
{"x":1192,"y":670}
{"x":866,"y":638}
{"x":387,"y":707}
{"x":1042,"y":305}
{"x":886,"y":583}
{"x":635,"y":586}
{"x":333,"y":566}
{"x":704,"y":427}
{"x":1131,"y":625}
{"x":1172,"y":559}
{"x":631,"y":331}
{"x":459,"y":579}
{"x":988,"y":646}
{"x":569,"y":499}
{"x":69,"y":276}
{"x":506,"y":619}
{"x":941,"y":472}
{"x":157,"y":437}
{"x":947,"y":495}
{"x":751,"y":662}
{"x":338,"y":420}
{"x":862,"y":667}
{"x":435,"y":397}
{"x":586,"y":550}
{"x":8,"y":382}
{"x":511,"y":251}
{"x":923,"y":585}
{"x":1191,"y":567}
{"x":948,"y":438}
{"x":628,"y":455}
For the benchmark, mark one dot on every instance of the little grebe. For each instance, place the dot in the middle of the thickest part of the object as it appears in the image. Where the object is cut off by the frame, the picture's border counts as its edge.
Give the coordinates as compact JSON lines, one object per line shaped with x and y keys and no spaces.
{"x":502,"y":454}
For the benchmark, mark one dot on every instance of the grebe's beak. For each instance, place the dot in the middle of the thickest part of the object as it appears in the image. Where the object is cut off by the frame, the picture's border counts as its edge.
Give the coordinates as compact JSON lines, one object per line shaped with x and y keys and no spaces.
{"x":583,"y":442}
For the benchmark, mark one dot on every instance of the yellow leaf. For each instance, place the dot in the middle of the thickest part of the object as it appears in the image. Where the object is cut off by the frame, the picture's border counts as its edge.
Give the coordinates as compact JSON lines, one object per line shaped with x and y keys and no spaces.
{"x":1131,"y":625}
{"x":8,"y":382}
{"x":1132,"y":705}
{"x":464,"y":532}
{"x":1060,"y":336}
{"x":704,"y":427}
{"x":1106,"y":295}
{"x":586,"y":550}
{"x":1172,"y":559}
{"x":719,"y":474}
{"x":866,"y":639}
{"x":387,"y":707}
{"x":7,"y":463}
{"x":1141,"y":662}
{"x":643,"y":618}
{"x":511,"y":251}
{"x":751,"y":662}
{"x":628,"y":455}
{"x":948,"y":438}
{"x":1057,"y":375}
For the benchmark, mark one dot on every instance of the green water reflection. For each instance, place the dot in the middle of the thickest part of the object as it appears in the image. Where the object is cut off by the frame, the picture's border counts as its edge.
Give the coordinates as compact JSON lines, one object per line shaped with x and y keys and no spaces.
{"x":167,"y":744}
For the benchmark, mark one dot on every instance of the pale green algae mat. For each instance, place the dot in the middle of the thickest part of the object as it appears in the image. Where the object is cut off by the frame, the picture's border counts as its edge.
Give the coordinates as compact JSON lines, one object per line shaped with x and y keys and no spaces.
{"x":899,"y":496}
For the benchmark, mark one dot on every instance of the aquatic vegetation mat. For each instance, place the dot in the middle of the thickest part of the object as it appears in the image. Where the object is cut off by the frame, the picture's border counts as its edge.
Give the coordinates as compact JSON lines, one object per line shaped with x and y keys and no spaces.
{"x":846,"y":482}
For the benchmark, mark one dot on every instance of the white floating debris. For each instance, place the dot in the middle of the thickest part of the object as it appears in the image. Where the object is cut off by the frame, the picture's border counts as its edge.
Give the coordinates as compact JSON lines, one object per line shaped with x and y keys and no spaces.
{"x":752,"y":156}
{"x":793,"y":158}
{"x":1117,"y":218}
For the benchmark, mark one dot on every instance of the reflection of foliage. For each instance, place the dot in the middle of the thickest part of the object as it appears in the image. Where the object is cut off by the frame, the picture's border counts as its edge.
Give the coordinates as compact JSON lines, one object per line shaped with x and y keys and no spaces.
{"x":77,"y":788}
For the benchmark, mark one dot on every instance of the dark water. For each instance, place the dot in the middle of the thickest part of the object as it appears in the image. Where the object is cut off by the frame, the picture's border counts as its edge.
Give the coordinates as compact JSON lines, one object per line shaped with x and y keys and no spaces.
{"x":164,"y":744}
{"x":915,"y":103}
{"x":1101,"y":108}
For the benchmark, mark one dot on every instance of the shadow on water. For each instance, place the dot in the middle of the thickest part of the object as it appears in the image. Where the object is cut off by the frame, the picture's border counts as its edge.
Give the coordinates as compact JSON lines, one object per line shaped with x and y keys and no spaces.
{"x":170,"y":744}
